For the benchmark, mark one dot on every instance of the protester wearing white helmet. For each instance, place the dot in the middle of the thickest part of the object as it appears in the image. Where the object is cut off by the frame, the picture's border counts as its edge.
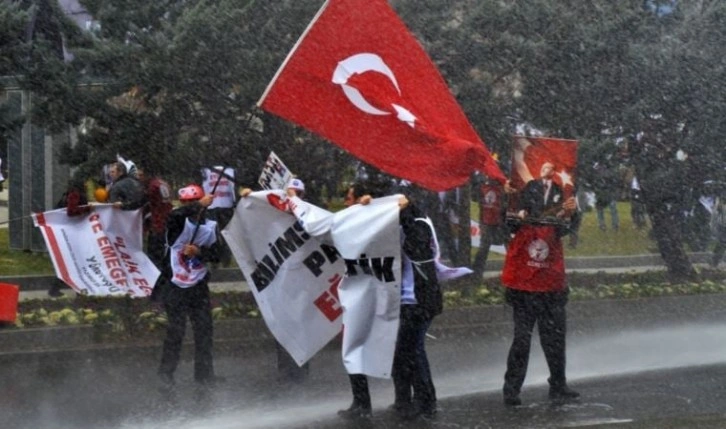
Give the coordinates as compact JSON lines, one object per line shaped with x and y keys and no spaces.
{"x":287,"y":368}
{"x":297,"y":185}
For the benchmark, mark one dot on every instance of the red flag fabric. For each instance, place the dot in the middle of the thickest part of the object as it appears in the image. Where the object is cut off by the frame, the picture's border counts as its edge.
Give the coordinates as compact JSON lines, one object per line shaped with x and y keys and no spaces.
{"x":528,"y":155}
{"x":360,"y":79}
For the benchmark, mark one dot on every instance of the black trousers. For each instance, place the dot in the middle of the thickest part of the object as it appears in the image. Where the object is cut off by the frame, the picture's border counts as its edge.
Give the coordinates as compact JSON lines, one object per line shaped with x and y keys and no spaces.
{"x":361,"y":393}
{"x":547,"y":310}
{"x":411,"y":372}
{"x":194,"y":303}
{"x":718,"y":251}
{"x":287,"y":368}
{"x":156,"y":248}
{"x":488,"y":235}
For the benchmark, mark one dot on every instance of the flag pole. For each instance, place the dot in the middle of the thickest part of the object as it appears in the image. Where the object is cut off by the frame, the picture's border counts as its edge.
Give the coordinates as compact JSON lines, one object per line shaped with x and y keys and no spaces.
{"x":204,"y":209}
{"x":292,"y":51}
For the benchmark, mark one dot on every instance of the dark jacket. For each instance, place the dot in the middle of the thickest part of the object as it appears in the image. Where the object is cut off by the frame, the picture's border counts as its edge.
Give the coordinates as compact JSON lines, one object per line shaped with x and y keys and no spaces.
{"x":175,"y":226}
{"x":532,"y":199}
{"x":129,"y":191}
{"x":417,"y":245}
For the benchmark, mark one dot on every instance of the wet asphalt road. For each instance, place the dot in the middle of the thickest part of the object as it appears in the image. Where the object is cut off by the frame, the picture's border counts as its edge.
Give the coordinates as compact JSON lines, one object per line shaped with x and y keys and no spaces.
{"x":640,"y":367}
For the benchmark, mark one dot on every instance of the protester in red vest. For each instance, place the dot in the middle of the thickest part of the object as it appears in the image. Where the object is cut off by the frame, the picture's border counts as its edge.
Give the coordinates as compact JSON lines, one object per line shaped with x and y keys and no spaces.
{"x":534,"y":277}
{"x":157,"y":209}
{"x":491,"y":222}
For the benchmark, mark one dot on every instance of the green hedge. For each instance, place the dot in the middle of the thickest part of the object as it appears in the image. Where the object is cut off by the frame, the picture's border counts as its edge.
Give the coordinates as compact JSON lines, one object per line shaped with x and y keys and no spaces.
{"x":126,"y":317}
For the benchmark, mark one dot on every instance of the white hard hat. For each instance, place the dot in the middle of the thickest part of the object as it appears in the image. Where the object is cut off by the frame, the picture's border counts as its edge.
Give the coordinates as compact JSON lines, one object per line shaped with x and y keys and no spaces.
{"x":297,"y":185}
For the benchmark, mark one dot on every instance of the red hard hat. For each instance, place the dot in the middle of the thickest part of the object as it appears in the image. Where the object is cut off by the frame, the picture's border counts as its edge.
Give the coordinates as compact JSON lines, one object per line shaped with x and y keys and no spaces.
{"x":191,"y":193}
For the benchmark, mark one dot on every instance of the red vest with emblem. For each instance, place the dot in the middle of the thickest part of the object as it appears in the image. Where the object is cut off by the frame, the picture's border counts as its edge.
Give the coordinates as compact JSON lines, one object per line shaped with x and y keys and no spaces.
{"x":491,"y":204}
{"x":535,"y":260}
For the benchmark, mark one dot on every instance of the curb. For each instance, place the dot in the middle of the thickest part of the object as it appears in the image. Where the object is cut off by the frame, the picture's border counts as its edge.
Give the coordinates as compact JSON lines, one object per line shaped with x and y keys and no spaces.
{"x":249,"y":336}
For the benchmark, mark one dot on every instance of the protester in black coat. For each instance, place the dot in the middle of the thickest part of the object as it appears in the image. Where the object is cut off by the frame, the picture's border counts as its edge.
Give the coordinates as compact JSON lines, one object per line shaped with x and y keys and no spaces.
{"x":193,"y":246}
{"x":415,"y":393}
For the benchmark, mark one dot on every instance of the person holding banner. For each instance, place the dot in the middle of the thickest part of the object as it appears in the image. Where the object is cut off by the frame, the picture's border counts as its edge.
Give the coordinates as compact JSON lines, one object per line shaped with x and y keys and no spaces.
{"x":421,"y":301}
{"x":193,"y":244}
{"x":287,"y":368}
{"x":75,"y":202}
{"x":534,"y":277}
{"x":126,"y":192}
{"x":220,"y":180}
{"x":159,"y":206}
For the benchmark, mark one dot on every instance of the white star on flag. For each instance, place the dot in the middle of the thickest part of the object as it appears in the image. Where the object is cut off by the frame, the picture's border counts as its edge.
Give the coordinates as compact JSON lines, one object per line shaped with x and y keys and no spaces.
{"x":566,"y":178}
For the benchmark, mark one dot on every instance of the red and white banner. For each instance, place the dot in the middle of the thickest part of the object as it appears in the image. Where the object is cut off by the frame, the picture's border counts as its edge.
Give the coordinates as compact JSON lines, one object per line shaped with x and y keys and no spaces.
{"x":528,"y":155}
{"x":294,"y":277}
{"x":359,"y":78}
{"x":368,"y":238}
{"x":475,"y":231}
{"x":100,"y":253}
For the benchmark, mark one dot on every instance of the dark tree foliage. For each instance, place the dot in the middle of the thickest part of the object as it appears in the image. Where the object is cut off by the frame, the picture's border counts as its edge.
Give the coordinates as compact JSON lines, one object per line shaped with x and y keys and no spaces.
{"x":173,"y":84}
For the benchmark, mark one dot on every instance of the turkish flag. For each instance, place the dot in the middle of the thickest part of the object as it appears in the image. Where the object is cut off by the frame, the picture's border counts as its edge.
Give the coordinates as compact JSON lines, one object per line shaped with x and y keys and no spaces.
{"x":528,"y":155}
{"x":360,"y":79}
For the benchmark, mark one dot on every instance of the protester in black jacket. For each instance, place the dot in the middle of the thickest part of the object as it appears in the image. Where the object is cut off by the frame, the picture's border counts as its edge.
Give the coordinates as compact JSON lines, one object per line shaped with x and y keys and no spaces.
{"x":193,"y":245}
{"x":126,"y":192}
{"x":414,"y":388}
{"x":421,"y":301}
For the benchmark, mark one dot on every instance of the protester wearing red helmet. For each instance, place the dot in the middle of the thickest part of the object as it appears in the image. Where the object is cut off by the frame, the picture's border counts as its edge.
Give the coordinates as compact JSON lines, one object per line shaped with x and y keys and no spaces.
{"x":193,"y":244}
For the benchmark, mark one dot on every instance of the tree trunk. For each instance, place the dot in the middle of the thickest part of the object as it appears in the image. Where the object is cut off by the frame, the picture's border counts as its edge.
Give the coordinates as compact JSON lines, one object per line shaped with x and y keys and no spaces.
{"x":667,"y":234}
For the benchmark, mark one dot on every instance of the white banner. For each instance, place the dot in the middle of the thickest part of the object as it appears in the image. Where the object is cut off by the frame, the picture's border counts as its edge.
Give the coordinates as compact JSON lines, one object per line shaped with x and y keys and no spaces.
{"x":222,"y":184}
{"x":275,"y":175}
{"x":100,"y":253}
{"x":476,"y":238}
{"x":368,"y":237}
{"x":294,"y":277}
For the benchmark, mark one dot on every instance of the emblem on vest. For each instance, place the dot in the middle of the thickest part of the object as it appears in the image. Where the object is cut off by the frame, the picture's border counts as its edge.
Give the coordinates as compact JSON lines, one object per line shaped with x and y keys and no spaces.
{"x":538,"y":251}
{"x":490,"y":198}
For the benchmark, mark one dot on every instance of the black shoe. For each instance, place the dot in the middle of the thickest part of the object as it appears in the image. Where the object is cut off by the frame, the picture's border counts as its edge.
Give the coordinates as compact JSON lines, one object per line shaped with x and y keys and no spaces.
{"x":210,"y":381}
{"x":428,"y":413}
{"x":167,"y":380}
{"x":563,"y":393}
{"x":403,"y":410}
{"x":355,"y":412}
{"x":512,"y":401}
{"x":55,"y":293}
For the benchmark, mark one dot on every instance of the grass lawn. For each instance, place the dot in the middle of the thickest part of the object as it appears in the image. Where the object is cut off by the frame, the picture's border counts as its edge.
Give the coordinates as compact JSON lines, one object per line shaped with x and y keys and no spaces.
{"x":20,"y":263}
{"x":626,"y":241}
{"x":593,"y":242}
